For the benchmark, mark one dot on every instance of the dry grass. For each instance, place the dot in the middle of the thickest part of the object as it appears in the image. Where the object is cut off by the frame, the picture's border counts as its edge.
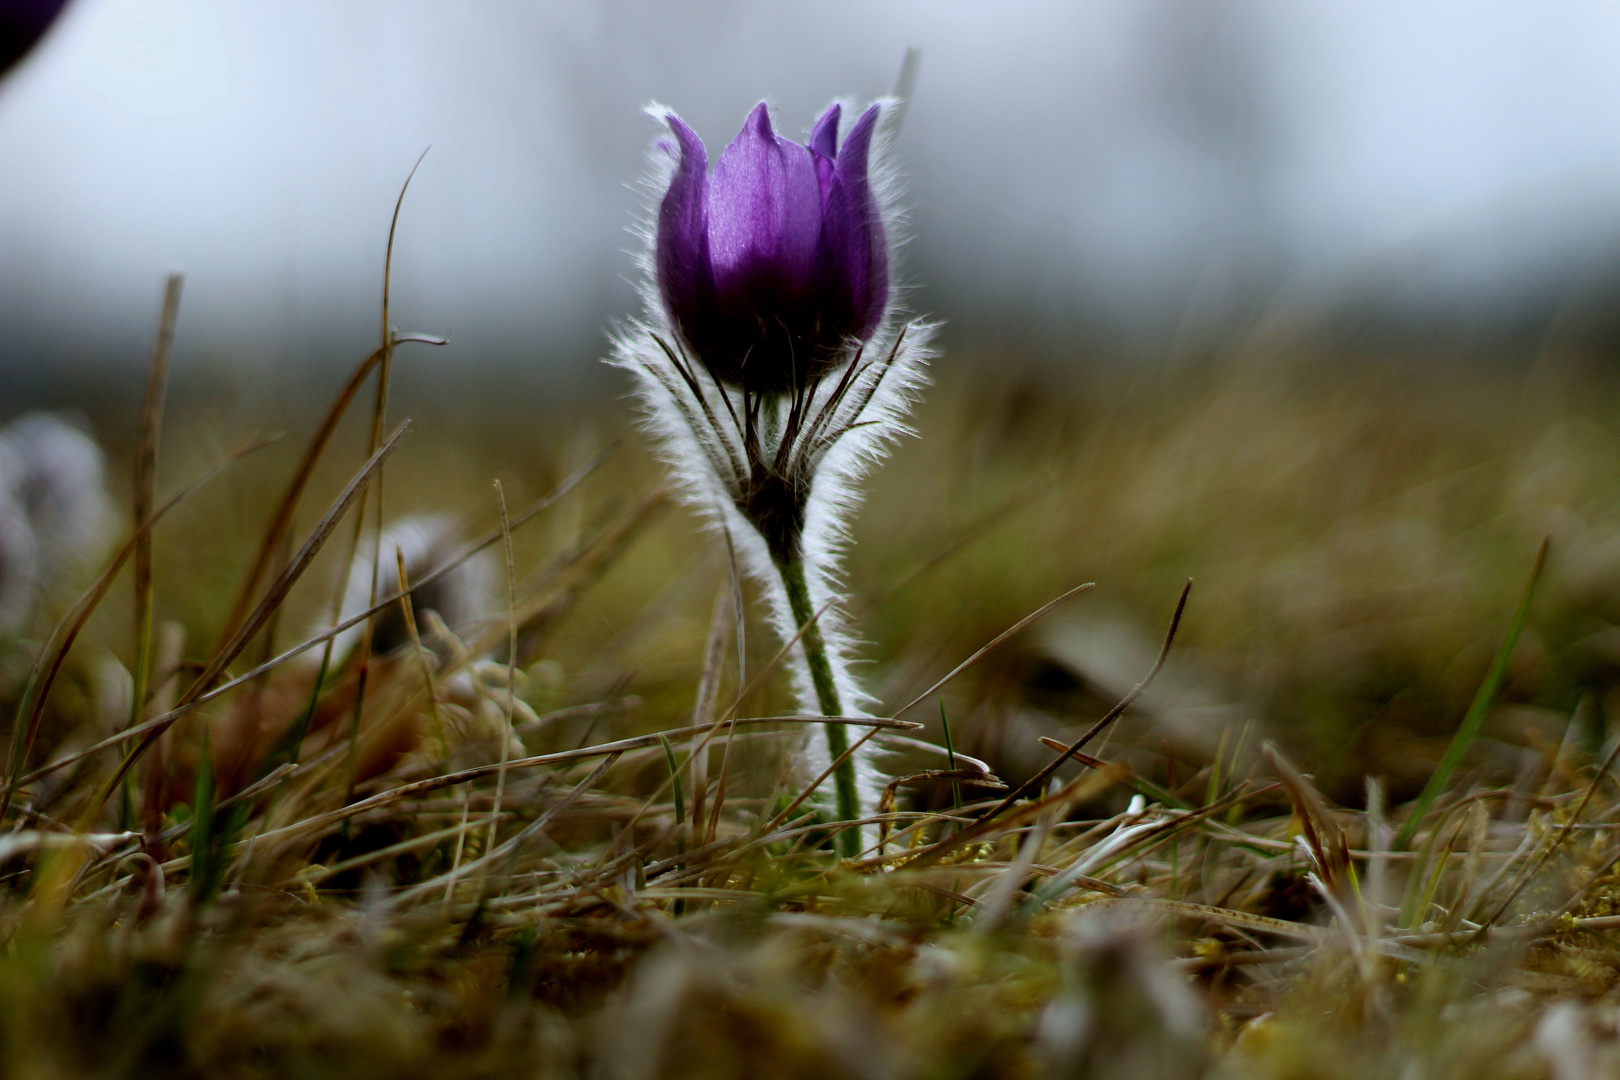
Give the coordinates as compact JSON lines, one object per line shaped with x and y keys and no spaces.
{"x":482,"y":882}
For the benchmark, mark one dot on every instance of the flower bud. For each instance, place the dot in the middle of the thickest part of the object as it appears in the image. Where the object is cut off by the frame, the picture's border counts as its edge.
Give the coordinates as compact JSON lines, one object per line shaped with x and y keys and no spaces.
{"x":775,"y":267}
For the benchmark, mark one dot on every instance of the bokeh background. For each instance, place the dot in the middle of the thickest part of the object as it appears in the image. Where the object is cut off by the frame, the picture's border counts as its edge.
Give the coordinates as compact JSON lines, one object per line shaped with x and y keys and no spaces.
{"x":1314,"y":302}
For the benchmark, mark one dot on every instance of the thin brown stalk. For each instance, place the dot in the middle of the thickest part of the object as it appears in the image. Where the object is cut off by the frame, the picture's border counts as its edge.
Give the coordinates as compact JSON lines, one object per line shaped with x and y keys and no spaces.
{"x":379,"y":420}
{"x":714,"y":656}
{"x":737,"y":610}
{"x":146,"y":457}
{"x":461,"y":847}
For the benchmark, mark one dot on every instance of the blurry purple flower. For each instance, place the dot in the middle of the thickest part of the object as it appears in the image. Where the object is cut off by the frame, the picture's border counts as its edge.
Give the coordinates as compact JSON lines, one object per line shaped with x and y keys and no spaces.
{"x":775,"y":268}
{"x":22,"y":24}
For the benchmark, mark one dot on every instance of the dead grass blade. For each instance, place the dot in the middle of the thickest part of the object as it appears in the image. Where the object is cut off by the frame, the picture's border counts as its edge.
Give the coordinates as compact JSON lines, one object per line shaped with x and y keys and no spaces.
{"x":145,"y":482}
{"x":714,"y":656}
{"x":1146,"y":788}
{"x":988,"y":821}
{"x":1322,"y":834}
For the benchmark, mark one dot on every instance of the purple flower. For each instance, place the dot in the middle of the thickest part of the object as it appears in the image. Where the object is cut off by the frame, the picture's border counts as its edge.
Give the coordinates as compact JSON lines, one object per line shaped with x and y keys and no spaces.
{"x":774,"y":268}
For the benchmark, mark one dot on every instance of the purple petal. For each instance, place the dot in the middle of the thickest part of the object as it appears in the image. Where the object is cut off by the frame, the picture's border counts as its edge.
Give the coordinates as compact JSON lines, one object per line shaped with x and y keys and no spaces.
{"x":824,"y":147}
{"x":764,"y":209}
{"x":824,"y":136}
{"x":682,"y":253}
{"x":852,"y":165}
{"x":853,"y":262}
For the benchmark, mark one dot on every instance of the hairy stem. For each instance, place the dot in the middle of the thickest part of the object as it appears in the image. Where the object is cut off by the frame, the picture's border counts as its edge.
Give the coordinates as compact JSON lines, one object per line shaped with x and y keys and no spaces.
{"x":821,"y":676}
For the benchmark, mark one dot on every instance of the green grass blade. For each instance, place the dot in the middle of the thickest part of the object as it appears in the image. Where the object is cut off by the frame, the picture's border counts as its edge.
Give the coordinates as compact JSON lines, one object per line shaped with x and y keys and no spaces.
{"x":950,"y":756}
{"x":1469,"y":728}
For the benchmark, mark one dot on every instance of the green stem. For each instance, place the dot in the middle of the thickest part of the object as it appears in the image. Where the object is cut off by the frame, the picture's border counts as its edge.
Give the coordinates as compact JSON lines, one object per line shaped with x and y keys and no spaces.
{"x":821,"y":677}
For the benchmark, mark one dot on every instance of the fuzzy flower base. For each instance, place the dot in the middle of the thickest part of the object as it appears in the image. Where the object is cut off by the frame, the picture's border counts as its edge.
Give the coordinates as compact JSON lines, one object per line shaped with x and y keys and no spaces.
{"x":851,"y":423}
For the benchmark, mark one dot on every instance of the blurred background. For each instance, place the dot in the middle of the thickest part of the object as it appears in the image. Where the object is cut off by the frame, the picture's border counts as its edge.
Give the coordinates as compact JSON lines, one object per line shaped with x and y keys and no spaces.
{"x":1313,"y":302}
{"x":1126,"y":179}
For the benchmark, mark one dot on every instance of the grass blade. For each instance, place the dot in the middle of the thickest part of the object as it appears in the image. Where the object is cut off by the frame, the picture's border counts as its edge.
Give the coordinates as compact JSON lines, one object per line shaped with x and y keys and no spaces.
{"x":1469,"y":728}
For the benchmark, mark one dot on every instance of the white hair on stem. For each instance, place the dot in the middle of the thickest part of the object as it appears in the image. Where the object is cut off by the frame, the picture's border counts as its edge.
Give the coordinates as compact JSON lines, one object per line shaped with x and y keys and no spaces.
{"x":827,"y":436}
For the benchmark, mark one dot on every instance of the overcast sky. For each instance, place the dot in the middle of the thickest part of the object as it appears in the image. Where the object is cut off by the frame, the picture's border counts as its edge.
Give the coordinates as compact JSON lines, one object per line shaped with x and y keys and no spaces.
{"x":1122,"y":164}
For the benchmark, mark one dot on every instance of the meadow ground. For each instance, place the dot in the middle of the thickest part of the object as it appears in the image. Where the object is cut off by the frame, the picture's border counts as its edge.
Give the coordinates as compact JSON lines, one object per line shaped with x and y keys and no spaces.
{"x":1361,"y":823}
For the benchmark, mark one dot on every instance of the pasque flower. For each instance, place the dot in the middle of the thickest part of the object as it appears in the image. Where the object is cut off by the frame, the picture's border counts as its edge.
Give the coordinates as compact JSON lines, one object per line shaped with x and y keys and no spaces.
{"x":775,"y":267}
{"x":775,"y":371}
